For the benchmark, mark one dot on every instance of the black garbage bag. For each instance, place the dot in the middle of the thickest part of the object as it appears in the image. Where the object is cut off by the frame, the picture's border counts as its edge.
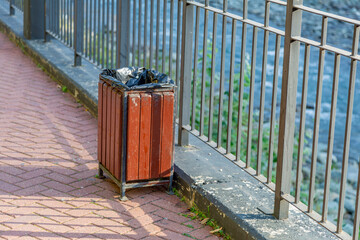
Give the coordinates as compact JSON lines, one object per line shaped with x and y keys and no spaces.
{"x":137,"y":78}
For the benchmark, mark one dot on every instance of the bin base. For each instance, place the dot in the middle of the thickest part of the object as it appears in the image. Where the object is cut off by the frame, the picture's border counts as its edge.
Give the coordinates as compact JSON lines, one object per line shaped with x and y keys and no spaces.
{"x":124,"y":185}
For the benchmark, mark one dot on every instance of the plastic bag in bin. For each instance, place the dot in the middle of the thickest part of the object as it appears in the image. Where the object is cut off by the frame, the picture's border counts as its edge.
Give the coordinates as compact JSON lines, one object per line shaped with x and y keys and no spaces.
{"x":137,"y":78}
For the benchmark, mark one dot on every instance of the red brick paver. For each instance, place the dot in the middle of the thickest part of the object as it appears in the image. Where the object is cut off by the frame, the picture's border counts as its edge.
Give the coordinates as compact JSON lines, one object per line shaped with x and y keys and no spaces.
{"x":48,"y":163}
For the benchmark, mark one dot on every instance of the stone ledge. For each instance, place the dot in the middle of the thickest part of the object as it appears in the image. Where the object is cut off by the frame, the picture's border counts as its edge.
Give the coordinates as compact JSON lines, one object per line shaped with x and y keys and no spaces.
{"x":230,"y":195}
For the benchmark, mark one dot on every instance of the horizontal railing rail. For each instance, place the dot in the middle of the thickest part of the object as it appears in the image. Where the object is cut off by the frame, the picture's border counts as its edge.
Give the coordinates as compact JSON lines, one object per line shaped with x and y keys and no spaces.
{"x":254,"y":92}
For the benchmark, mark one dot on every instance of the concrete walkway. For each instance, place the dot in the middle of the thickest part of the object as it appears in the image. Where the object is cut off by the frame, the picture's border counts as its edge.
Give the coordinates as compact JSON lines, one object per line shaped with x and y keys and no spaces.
{"x":48,"y":188}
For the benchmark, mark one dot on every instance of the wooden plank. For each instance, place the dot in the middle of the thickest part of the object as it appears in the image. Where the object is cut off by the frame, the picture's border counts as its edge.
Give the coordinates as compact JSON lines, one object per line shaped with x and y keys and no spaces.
{"x":156,"y":119}
{"x":118,"y":135}
{"x":167,"y":134}
{"x":145,"y":131}
{"x":108,"y":124}
{"x":104,"y":109}
{"x":112,"y":133}
{"x":132,"y":160}
{"x":100,"y":122}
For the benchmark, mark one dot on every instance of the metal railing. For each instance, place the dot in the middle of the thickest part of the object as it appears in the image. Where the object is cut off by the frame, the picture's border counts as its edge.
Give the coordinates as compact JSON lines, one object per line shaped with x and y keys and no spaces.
{"x":227,"y":98}
{"x":100,"y":31}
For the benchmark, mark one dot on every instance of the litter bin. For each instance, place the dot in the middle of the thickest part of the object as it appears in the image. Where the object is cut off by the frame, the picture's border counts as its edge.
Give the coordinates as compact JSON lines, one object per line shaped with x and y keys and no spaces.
{"x":136,"y":127}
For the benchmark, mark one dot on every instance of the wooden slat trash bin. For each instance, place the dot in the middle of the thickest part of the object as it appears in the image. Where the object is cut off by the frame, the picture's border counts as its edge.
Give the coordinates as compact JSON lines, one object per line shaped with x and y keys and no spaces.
{"x":135,"y":132}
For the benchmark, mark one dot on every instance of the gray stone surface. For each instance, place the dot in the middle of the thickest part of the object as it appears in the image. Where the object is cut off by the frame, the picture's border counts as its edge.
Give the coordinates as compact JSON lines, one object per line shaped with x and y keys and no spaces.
{"x":238,"y":201}
{"x":229,"y":190}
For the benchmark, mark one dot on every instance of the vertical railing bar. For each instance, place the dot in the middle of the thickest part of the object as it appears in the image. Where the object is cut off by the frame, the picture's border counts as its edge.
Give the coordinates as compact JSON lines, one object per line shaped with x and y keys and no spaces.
{"x":349,"y":111}
{"x":196,"y":53}
{"x":185,"y":77}
{"x":56,"y":18}
{"x":157,"y":35}
{"x":151,"y":33}
{"x":86,"y":29}
{"x":61,"y":25}
{"x":103,"y":35}
{"x":262,"y":90}
{"x":90,"y":19}
{"x":91,"y":32}
{"x":222,"y":81}
{"x":203,"y":75}
{"x":57,"y":11}
{"x":273,"y":108}
{"x":251,"y":97}
{"x":112,"y":34}
{"x":178,"y":43}
{"x":51,"y":11}
{"x":225,"y":5}
{"x":98,"y":37}
{"x":86,"y":3}
{"x":50,"y":17}
{"x":171,"y":38}
{"x":67,"y":22}
{"x":133,"y":32}
{"x":49,"y":22}
{"x":212,"y":78}
{"x":302,"y":123}
{"x":357,"y":208}
{"x":107,"y":33}
{"x":12,"y":9}
{"x":47,"y":19}
{"x":95,"y":32}
{"x":139,"y":33}
{"x":53,"y":17}
{"x":76,"y":20}
{"x":164,"y":38}
{"x":145,"y":32}
{"x":317,"y":116}
{"x":241,"y":81}
{"x":355,"y":47}
{"x":61,"y":19}
{"x":78,"y":40}
{"x":231,"y":87}
{"x":331,"y":137}
{"x":71,"y":24}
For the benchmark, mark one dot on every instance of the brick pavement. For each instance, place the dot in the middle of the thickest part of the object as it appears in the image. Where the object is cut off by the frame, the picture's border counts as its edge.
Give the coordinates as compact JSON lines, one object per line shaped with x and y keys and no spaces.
{"x":48,"y":163}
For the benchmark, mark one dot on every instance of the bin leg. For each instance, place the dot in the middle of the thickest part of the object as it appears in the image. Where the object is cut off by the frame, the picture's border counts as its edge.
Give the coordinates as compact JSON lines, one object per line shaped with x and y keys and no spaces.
{"x":101,"y":173}
{"x":170,"y":188}
{"x":122,"y":194}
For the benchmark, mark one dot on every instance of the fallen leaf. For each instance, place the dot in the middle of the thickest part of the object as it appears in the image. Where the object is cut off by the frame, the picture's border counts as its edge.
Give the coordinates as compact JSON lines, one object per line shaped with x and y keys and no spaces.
{"x":204,"y":221}
{"x":216,"y":230}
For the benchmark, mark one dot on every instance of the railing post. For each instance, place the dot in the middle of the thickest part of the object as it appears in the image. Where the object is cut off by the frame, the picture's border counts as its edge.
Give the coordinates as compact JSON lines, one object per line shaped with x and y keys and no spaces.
{"x":34,"y":20}
{"x":11,"y":6}
{"x":185,"y":73}
{"x":78,"y":31}
{"x":46,"y":20}
{"x":287,"y":109}
{"x":122,"y":33}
